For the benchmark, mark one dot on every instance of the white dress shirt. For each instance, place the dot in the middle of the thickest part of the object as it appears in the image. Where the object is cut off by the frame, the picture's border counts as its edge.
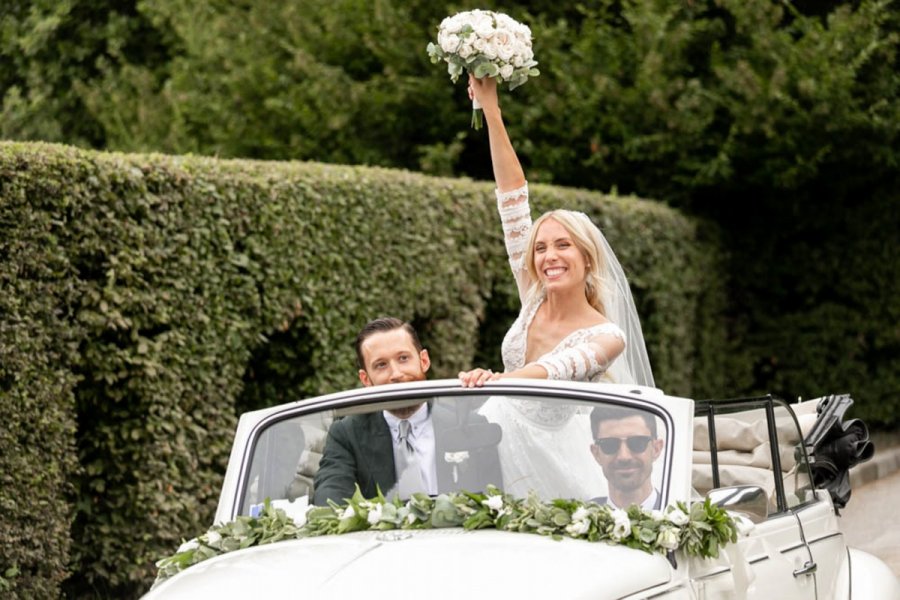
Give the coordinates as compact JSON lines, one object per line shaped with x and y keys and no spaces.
{"x":649,"y":502}
{"x":421,"y":436}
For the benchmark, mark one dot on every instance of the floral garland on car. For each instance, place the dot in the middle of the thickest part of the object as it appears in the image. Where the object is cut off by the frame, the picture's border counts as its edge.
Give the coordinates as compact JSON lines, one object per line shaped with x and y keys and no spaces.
{"x":699,"y":530}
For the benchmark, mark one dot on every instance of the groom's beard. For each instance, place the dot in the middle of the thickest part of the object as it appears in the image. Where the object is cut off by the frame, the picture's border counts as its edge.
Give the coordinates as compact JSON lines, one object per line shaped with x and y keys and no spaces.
{"x":405,"y":412}
{"x":627,"y":475}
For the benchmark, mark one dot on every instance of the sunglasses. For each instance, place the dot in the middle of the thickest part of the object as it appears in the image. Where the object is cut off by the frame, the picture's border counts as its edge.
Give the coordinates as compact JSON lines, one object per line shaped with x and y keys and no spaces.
{"x":636,"y":444}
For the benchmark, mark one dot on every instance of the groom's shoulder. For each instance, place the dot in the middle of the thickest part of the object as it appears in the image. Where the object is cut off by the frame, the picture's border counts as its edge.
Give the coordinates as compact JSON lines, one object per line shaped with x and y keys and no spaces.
{"x":357,"y":422}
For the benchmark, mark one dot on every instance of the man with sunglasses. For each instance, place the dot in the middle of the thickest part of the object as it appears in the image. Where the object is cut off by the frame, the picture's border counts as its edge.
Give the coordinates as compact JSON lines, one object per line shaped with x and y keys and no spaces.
{"x":626,"y":446}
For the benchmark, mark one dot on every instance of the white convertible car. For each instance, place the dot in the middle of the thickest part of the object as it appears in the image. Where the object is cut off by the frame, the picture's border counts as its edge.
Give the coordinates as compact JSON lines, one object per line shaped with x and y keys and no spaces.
{"x":545,"y":440}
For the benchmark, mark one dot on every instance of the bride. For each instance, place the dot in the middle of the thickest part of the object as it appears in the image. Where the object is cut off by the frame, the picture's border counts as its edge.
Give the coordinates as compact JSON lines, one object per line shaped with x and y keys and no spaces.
{"x":577,"y":322}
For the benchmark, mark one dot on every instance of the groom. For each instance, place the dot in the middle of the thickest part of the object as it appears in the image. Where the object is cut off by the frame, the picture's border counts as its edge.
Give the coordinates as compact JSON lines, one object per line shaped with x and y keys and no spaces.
{"x":365,"y":449}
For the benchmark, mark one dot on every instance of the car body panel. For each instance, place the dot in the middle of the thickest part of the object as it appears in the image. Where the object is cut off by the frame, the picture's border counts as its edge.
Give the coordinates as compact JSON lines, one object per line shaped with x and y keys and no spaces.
{"x":870,"y":577}
{"x":426,"y":563}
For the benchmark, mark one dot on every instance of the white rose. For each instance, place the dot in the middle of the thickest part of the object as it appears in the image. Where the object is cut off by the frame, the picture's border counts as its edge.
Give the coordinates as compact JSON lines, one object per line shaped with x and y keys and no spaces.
{"x":506,"y":71}
{"x":213,"y":538}
{"x":504,"y":52}
{"x":374,"y":514}
{"x":621,"y":524}
{"x":577,"y":528}
{"x":348,"y":513}
{"x":656,"y":515}
{"x":494,"y":502}
{"x":668,"y":539}
{"x":465,"y":50}
{"x":505,"y":21}
{"x":677,"y":517}
{"x":517,"y":61}
{"x":483,"y":23}
{"x":580,"y":514}
{"x":192,"y":544}
{"x":449,"y":43}
{"x":453,"y":24}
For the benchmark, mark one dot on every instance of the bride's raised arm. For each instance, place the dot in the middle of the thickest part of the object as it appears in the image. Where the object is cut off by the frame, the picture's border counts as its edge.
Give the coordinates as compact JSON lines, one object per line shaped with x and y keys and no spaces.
{"x":512,"y":189}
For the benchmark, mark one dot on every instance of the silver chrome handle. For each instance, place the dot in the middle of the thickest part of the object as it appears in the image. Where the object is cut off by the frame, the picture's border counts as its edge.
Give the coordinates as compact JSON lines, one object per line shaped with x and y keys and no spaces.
{"x":808,"y":569}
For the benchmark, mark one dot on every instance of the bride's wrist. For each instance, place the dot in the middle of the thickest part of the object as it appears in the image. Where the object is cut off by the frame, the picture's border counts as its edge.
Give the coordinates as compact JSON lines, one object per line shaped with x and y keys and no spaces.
{"x":493,"y":113}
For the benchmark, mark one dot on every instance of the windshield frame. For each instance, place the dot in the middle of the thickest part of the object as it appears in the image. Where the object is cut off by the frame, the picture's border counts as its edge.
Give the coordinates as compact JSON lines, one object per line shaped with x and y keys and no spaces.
{"x":253,"y":425}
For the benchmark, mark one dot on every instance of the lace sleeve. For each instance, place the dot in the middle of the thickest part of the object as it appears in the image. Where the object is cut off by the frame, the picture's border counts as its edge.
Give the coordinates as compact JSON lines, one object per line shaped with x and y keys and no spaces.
{"x":589,"y":355}
{"x":515,"y":215}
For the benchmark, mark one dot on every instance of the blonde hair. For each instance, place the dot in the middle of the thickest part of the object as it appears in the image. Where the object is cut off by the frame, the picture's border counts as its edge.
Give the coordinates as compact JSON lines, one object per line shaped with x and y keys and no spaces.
{"x":586,"y":238}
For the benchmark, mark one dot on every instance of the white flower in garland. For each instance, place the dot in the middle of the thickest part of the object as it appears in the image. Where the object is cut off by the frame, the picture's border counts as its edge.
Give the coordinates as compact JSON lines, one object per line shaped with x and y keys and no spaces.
{"x":581,"y":522}
{"x":668,"y":538}
{"x":374,"y":515}
{"x":581,"y":514}
{"x":191,"y":544}
{"x":349,"y":512}
{"x":677,"y":517}
{"x":495,"y":503}
{"x":577,"y":528}
{"x":621,"y":524}
{"x":213,"y":538}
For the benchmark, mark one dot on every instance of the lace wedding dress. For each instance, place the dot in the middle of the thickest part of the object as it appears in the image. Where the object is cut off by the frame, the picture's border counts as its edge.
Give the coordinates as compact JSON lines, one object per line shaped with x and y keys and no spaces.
{"x":546,"y":447}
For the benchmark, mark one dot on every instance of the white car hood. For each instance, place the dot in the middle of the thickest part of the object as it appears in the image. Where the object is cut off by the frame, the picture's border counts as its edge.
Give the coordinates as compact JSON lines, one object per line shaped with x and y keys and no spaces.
{"x":446,"y":563}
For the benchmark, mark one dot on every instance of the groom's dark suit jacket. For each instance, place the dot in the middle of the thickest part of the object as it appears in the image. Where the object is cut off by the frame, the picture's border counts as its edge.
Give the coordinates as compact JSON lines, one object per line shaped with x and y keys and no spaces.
{"x":359,"y":450}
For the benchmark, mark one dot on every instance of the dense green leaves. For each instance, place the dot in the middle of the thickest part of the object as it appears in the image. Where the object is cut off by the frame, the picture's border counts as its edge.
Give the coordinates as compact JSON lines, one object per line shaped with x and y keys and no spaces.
{"x":775,"y":121}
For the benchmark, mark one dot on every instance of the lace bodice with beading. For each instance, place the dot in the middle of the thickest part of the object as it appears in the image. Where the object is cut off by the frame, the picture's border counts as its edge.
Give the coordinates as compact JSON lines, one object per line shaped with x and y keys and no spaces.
{"x":580,"y":356}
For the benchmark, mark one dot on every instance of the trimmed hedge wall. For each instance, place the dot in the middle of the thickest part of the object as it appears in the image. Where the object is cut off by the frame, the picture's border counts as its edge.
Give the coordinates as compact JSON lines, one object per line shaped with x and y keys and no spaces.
{"x":149,"y":299}
{"x":38,"y":343}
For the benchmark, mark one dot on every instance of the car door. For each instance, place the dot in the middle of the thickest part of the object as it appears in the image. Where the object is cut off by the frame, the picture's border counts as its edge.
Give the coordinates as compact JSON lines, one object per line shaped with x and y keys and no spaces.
{"x":813,"y":509}
{"x":736,"y":443}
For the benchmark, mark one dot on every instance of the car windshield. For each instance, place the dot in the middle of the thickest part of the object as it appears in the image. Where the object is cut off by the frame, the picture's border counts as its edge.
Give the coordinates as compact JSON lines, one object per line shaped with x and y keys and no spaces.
{"x":556,"y":447}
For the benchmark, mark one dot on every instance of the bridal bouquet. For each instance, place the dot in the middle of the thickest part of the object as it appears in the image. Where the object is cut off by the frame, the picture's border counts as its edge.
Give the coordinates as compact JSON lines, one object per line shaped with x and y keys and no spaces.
{"x":486,"y":44}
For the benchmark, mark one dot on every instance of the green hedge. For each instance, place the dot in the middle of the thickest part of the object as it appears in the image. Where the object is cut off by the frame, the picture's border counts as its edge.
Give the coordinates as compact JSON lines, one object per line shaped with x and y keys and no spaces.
{"x":152,"y":298}
{"x":38,"y":343}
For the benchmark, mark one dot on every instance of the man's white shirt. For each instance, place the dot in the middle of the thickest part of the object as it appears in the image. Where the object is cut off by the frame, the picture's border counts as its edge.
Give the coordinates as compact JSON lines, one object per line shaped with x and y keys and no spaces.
{"x":421,"y":436}
{"x":649,"y":502}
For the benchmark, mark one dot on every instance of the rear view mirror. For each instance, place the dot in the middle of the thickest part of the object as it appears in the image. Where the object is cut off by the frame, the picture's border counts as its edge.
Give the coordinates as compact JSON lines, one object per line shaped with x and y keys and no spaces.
{"x":748,"y":500}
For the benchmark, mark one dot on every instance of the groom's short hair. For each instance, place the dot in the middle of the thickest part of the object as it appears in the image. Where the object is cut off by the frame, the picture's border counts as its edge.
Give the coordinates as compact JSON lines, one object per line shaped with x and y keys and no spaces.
{"x":613,"y":412}
{"x":381,"y":325}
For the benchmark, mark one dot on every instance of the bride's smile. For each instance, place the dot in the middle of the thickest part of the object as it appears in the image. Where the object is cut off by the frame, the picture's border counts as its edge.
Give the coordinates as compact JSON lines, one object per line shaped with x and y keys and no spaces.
{"x":556,"y":255}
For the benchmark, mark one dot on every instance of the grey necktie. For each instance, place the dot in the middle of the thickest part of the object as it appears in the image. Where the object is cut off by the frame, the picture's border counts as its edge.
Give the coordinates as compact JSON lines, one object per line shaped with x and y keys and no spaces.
{"x":409,"y":478}
{"x":404,"y":441}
